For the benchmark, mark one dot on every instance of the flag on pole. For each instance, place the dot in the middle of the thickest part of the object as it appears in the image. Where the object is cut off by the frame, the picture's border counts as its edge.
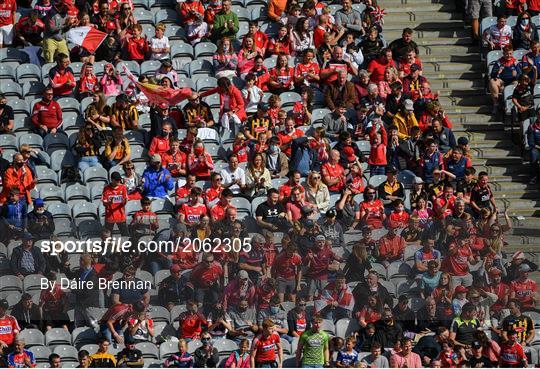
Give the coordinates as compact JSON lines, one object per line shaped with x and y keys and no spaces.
{"x":87,"y":37}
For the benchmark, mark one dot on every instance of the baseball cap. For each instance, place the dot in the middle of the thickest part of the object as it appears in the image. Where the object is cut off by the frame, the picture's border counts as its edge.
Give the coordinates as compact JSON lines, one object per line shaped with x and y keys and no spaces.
{"x":476,"y":345}
{"x":518,"y":255}
{"x":243,"y":274}
{"x":331,"y":213}
{"x":122,"y":98}
{"x":462,"y":141}
{"x":349,"y":152}
{"x":320,"y":237}
{"x":493,"y":272}
{"x":524,"y":268}
{"x":115,"y":176}
{"x":408,"y":105}
{"x":391,"y":169}
{"x":461,"y":289}
{"x":175,"y":268}
{"x":38,"y":203}
{"x":156,"y":158}
{"x":27,"y":236}
{"x":310,"y":223}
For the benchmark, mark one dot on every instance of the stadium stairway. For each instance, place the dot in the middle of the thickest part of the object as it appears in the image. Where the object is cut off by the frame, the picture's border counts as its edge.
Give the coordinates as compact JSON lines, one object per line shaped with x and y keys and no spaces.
{"x":454,"y":68}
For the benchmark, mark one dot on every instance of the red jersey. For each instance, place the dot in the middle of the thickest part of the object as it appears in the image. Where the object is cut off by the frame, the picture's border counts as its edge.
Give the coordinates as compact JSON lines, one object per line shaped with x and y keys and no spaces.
{"x":285,"y":266}
{"x":117,"y":313}
{"x":439,"y":203}
{"x":47,"y":114}
{"x":183,"y":192}
{"x":333,"y":172}
{"x":159,"y":145}
{"x":377,"y":69}
{"x":375,"y":211}
{"x":406,"y":67}
{"x":192,"y":213}
{"x":191,"y":324}
{"x":458,"y":264}
{"x":9,"y":328}
{"x":392,"y":248}
{"x":318,"y":36}
{"x":241,"y":151}
{"x":501,"y":291}
{"x":524,"y":291}
{"x":189,"y":11}
{"x":63,"y":81}
{"x":174,"y":162}
{"x":301,"y":70}
{"x":185,"y":259}
{"x":261,"y":40}
{"x":24,"y":27}
{"x":137,"y":48}
{"x":7,"y":12}
{"x":286,"y":138}
{"x":52,"y":301}
{"x":88,"y":84}
{"x":400,"y":220}
{"x":115,"y":200}
{"x":319,"y":260}
{"x":218,"y":211}
{"x":533,"y":5}
{"x":283,"y":75}
{"x":512,"y":355}
{"x":266,"y":347}
{"x":212,"y":194}
{"x":200,"y":167}
{"x":204,"y":276}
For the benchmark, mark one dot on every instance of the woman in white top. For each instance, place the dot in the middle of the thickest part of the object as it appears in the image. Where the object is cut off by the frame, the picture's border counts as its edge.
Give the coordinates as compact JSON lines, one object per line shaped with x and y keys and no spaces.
{"x":258,"y":178}
{"x":160,"y":44}
{"x":301,"y":37}
{"x":316,"y":192}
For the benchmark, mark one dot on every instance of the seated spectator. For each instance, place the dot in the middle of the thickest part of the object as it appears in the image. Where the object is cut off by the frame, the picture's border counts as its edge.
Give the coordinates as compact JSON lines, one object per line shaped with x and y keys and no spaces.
{"x":405,"y":63}
{"x":192,"y":322}
{"x":336,"y":121}
{"x":498,"y":35}
{"x":524,"y":32}
{"x":46,"y":114}
{"x":333,"y":174}
{"x":54,"y":303}
{"x":13,"y":215}
{"x":413,"y":81}
{"x":281,"y":76}
{"x":130,"y":357}
{"x":197,"y":111}
{"x":27,"y":259}
{"x":206,"y":356}
{"x":157,"y":181}
{"x":27,"y":314}
{"x":111,"y":81}
{"x":301,"y":37}
{"x":102,"y":358}
{"x":20,"y":357}
{"x":405,"y":119}
{"x":443,"y":136}
{"x":336,"y":301}
{"x":124,"y":114}
{"x":433,"y":110}
{"x":504,"y":72}
{"x":240,"y":358}
{"x":258,"y":179}
{"x":341,"y":91}
{"x":88,"y":145}
{"x":247,"y":54}
{"x":391,"y":246}
{"x":523,"y":99}
{"x":160,"y":144}
{"x":40,"y":221}
{"x":29,"y":30}
{"x":181,"y":359}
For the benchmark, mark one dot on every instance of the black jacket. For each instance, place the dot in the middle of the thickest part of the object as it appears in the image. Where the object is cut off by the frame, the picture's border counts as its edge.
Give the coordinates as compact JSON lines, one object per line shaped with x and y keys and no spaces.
{"x":40,"y":225}
{"x":27,"y":318}
{"x":16,"y":259}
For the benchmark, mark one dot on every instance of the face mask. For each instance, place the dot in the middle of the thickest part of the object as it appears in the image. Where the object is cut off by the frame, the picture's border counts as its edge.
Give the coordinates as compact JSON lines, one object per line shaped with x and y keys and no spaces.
{"x":524,"y":22}
{"x":199,"y":150}
{"x":164,"y":134}
{"x":19,"y":165}
{"x":274,"y":309}
{"x":2,"y":106}
{"x":273,"y":149}
{"x":242,"y":308}
{"x":226,"y":49}
{"x":40,"y":211}
{"x":205,"y":341}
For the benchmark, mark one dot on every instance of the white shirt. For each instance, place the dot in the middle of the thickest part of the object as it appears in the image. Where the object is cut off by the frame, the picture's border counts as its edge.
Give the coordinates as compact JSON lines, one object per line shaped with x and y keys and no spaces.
{"x":229,"y":177}
{"x":251,"y":98}
{"x":160,"y":43}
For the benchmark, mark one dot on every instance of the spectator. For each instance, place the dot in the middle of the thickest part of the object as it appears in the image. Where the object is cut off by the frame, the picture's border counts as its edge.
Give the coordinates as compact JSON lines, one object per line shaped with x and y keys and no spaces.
{"x":55,"y":361}
{"x":313,"y":347}
{"x":206,"y":356}
{"x":20,"y":357}
{"x":111,"y":85}
{"x":61,"y":77}
{"x":197,"y":112}
{"x":498,"y":35}
{"x":40,"y":221}
{"x":156,"y":180}
{"x":350,"y":19}
{"x":233,"y":176}
{"x":130,"y":357}
{"x":181,"y":359}
{"x":29,"y":29}
{"x":232,"y":111}
{"x":46,"y":114}
{"x":337,"y":299}
{"x":512,"y":353}
{"x":27,"y":259}
{"x":225,"y":23}
{"x":523,"y":288}
{"x":56,"y":21}
{"x":124,"y":114}
{"x":378,"y":66}
{"x":102,"y":358}
{"x":258,"y":179}
{"x":27,"y":314}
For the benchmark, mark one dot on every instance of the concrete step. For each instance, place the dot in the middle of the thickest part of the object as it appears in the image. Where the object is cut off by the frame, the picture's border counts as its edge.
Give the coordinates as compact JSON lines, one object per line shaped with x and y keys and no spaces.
{"x":496,"y":152}
{"x":415,"y":8}
{"x":457,"y":84}
{"x":414,"y":15}
{"x":457,"y":33}
{"x":447,"y":50}
{"x":472,"y":100}
{"x":391,"y":3}
{"x":432,"y":41}
{"x":441,"y":25}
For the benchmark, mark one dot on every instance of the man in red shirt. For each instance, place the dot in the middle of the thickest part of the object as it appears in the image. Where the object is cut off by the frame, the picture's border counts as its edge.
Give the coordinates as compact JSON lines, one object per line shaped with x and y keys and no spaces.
{"x":61,"y":77}
{"x":205,"y":281}
{"x":182,"y":193}
{"x":7,"y":21}
{"x":115,"y":318}
{"x":287,"y":270}
{"x":46,"y":114}
{"x":307,"y":72}
{"x":265,"y":345}
{"x":456,"y":263}
{"x":512,"y":354}
{"x":333,"y":173}
{"x":378,"y":66}
{"x":287,"y":136}
{"x":319,"y":261}
{"x":295,"y":177}
{"x":524,"y":289}
{"x":336,"y":301}
{"x":217,"y":211}
{"x":191,"y":321}
{"x":114,"y":199}
{"x":29,"y":30}
{"x":175,"y":160}
{"x":502,"y":290}
{"x":9,"y":327}
{"x":391,"y":245}
{"x":191,"y":212}
{"x":444,"y":206}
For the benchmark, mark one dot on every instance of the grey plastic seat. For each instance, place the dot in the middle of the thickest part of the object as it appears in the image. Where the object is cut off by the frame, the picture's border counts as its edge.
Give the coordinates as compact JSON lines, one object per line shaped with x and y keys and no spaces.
{"x":132,"y":207}
{"x":243,"y":29}
{"x":77,"y":192}
{"x":19,"y":106}
{"x":50,"y":192}
{"x":242,"y":205}
{"x":32,"y":337}
{"x":225,"y":346}
{"x":182,"y":49}
{"x":88,"y":228}
{"x":83,"y":335}
{"x":32,"y":282}
{"x":148,"y":350}
{"x":288,"y":99}
{"x":63,"y":227}
{"x":318,"y":115}
{"x":205,"y":84}
{"x":11,"y":54}
{"x":69,"y":104}
{"x":33,"y":88}
{"x":67,"y":353}
{"x":85,"y":210}
{"x":149,"y":66}
{"x":95,"y":174}
{"x":8,"y":142}
{"x":10,"y":283}
{"x":59,"y":210}
{"x":91,"y":348}
{"x":200,"y":67}
{"x":143,"y":16}
{"x":258,"y":12}
{"x":166,"y":16}
{"x":35,"y":141}
{"x":28,"y":72}
{"x":131,"y":65}
{"x":377,"y":180}
{"x":167,"y":348}
{"x":41,"y":353}
{"x":175,"y":32}
{"x":62,"y":158}
{"x":186,"y":82}
{"x":11,"y":88}
{"x":57,"y":141}
{"x":7,"y":72}
{"x":162,"y":206}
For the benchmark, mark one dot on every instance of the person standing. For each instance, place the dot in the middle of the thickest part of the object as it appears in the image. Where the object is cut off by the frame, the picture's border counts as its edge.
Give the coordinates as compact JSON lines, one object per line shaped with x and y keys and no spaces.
{"x":114,"y":199}
{"x":313,"y":350}
{"x":265,"y":345}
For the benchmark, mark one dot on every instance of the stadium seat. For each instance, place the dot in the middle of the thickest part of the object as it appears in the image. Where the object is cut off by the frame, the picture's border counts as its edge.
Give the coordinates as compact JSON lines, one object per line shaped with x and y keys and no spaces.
{"x":212,"y":100}
{"x":35,"y":141}
{"x":318,"y":114}
{"x":377,"y":180}
{"x":49,"y":193}
{"x":62,"y":158}
{"x":7,"y":72}
{"x":288,"y":99}
{"x":10,"y":283}
{"x":88,"y":228}
{"x":57,"y":141}
{"x":200,"y":67}
{"x":8,"y":142}
{"x":182,"y":50}
{"x":167,"y":16}
{"x":406,"y":177}
{"x":59,"y":210}
{"x":346,"y":327}
{"x":243,"y":29}
{"x":11,"y":88}
{"x":158,"y":313}
{"x":486,"y":23}
{"x":41,"y":353}
{"x":328,"y":326}
{"x":11,"y":54}
{"x":359,"y":7}
{"x":225,"y":346}
{"x":148,"y":350}
{"x":131,"y":65}
{"x":205,"y":49}
{"x":243,"y":14}
{"x":143,"y":16}
{"x":205,"y":84}
{"x":57,"y":336}
{"x":32,"y":282}
{"x":389,"y":286}
{"x":257,"y":12}
{"x":67,"y":353}
{"x":95,"y":174}
{"x":167,"y":348}
{"x":91,"y":348}
{"x":195,"y":344}
{"x":77,"y":192}
{"x":491,"y":58}
{"x":175,"y":32}
{"x":28,"y":72}
{"x":19,"y":106}
{"x":32,"y":337}
{"x":84,"y":210}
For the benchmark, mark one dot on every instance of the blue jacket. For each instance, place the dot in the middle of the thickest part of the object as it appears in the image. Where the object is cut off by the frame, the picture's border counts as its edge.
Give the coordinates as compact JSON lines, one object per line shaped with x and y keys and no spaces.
{"x":504,"y":69}
{"x":155,"y":182}
{"x":14,"y":214}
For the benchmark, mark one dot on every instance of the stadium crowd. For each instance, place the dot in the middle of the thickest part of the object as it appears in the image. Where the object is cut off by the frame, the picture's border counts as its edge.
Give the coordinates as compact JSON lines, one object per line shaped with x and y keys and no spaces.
{"x":340,"y":220}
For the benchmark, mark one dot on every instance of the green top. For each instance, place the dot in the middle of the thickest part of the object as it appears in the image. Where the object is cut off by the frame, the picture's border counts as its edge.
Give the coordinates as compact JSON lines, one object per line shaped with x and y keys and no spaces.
{"x":313,"y":348}
{"x":221,"y":25}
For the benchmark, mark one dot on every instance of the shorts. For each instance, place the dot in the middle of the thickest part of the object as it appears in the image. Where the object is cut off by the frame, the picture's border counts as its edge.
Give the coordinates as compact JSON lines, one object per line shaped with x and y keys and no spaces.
{"x":316,"y":285}
{"x":6,"y":34}
{"x":475,"y":6}
{"x":284,"y":284}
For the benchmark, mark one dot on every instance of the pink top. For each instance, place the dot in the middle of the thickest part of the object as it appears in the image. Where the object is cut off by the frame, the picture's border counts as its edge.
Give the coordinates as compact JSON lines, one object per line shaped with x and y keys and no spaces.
{"x":410,"y":361}
{"x":235,"y":360}
{"x":110,"y":86}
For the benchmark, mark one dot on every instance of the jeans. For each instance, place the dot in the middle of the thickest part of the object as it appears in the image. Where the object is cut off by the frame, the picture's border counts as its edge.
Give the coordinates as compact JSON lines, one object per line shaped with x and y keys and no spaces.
{"x":88,"y":162}
{"x":535,"y":165}
{"x":155,"y":265}
{"x":105,"y":331}
{"x":375,"y":170}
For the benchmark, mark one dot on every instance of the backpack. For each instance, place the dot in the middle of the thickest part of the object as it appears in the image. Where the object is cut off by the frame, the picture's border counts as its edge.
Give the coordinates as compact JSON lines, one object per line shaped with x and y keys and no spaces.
{"x":70,"y":175}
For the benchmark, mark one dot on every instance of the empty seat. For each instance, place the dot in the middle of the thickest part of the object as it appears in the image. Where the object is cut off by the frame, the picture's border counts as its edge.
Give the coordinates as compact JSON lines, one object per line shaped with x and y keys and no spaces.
{"x":41,"y":353}
{"x":19,"y":106}
{"x":288,"y":99}
{"x":205,"y":84}
{"x":167,"y":348}
{"x":203,"y":49}
{"x":57,"y":336}
{"x":83,"y":335}
{"x":225,"y":346}
{"x":181,"y":50}
{"x":35,"y":141}
{"x":59,"y":210}
{"x":95,"y":174}
{"x":143,"y":16}
{"x":10,"y":283}
{"x":67,"y":353}
{"x":89,"y":228}
{"x":10,"y":54}
{"x":84,"y":210}
{"x":200,"y":66}
{"x":166,"y":16}
{"x":32,"y":337}
{"x":175,"y":32}
{"x":7,"y":72}
{"x":8,"y":142}
{"x":28,"y":72}
{"x":33,"y":88}
{"x":32,"y":282}
{"x":148,"y":350}
{"x":11,"y":88}
{"x":50,"y":192}
{"x":57,"y":141}
{"x":77,"y":192}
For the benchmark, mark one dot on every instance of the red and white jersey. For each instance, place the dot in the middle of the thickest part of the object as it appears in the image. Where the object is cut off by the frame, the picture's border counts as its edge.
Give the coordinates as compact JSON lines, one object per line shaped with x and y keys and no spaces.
{"x":7,"y":10}
{"x":266,"y":347}
{"x":524,"y":291}
{"x":9,"y":328}
{"x":500,"y":36}
{"x":192,"y":213}
{"x":330,"y":294}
